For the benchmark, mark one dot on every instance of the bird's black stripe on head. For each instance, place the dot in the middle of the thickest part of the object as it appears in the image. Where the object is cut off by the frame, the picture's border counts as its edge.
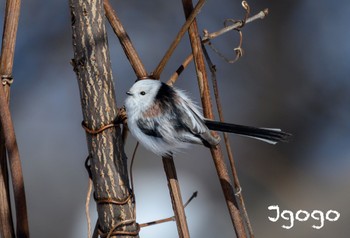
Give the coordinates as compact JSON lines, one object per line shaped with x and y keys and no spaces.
{"x":168,"y":101}
{"x":166,"y":96}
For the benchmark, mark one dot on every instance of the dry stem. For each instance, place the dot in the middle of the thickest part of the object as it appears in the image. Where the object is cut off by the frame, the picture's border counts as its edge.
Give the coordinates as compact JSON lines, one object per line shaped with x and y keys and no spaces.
{"x":176,"y":198}
{"x":169,"y":218}
{"x":227,"y":145}
{"x":157,"y":72}
{"x":208,"y":36}
{"x":208,"y":113}
{"x":125,"y":41}
{"x":9,"y":139}
{"x":183,"y":66}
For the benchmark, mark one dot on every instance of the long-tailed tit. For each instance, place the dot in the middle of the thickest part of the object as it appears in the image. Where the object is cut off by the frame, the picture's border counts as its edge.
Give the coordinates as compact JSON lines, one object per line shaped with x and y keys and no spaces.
{"x":164,"y":120}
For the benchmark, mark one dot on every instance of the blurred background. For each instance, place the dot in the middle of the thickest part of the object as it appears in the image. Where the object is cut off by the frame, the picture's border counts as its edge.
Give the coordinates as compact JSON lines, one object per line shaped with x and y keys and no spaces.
{"x":294,"y":75}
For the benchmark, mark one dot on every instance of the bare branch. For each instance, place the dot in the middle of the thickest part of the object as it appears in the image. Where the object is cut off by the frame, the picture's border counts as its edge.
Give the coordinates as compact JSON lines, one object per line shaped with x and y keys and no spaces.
{"x":157,"y":72}
{"x":176,"y":199}
{"x":194,"y":195}
{"x":183,"y":66}
{"x":125,"y":41}
{"x":208,"y":113}
{"x":208,"y":36}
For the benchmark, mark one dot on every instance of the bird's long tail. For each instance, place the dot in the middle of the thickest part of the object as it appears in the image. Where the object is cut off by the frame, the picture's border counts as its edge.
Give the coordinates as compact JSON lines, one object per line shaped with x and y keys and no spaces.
{"x":269,"y":135}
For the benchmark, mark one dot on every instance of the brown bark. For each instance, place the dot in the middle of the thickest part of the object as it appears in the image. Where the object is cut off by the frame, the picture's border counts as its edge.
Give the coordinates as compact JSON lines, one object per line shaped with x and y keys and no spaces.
{"x":108,"y":162}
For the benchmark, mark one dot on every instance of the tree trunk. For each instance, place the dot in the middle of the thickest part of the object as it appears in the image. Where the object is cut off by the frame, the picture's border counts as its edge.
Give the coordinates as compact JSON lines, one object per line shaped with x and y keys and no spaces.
{"x":107,"y":159}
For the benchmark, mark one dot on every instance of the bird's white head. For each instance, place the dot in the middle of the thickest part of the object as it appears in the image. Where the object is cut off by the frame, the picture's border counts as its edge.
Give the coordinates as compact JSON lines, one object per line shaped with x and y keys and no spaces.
{"x":141,"y":95}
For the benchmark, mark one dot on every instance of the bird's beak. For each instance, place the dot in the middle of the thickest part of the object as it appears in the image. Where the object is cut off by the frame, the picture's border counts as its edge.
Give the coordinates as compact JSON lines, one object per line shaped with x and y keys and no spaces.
{"x":129,"y":93}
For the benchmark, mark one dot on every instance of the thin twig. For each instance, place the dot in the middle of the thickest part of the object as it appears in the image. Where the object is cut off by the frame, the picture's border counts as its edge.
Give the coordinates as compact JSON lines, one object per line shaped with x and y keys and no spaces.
{"x":238,"y":50}
{"x":212,"y":69}
{"x":183,"y":66}
{"x":208,"y":113}
{"x":194,"y":195}
{"x":208,"y":36}
{"x":156,"y":222}
{"x":157,"y":72}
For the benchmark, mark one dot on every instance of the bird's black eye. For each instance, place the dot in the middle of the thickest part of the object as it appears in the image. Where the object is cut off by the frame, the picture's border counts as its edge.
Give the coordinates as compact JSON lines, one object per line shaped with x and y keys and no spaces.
{"x":142,"y":93}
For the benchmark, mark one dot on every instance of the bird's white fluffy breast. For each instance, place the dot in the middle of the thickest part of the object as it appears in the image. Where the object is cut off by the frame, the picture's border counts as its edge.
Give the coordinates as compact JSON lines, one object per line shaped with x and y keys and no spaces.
{"x":146,"y":106}
{"x":137,"y":106}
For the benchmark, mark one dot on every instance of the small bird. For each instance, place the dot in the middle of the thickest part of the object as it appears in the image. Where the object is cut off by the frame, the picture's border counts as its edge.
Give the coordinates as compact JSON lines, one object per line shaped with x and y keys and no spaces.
{"x":165,"y":120}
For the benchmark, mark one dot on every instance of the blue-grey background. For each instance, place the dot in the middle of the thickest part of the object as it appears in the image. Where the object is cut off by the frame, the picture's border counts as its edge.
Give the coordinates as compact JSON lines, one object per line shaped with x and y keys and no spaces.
{"x":294,"y":75}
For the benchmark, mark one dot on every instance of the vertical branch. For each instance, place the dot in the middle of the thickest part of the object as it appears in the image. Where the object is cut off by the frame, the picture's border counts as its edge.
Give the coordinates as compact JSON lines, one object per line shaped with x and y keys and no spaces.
{"x":9,"y":40}
{"x":227,"y":144}
{"x":6,"y":222}
{"x":15,"y":167}
{"x":107,"y":158}
{"x":7,"y":135}
{"x":174,"y":188}
{"x":208,"y":112}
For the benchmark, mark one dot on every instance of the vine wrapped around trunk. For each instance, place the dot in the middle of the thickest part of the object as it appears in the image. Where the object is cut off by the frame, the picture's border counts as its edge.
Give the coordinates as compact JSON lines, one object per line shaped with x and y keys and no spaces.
{"x":108,"y":163}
